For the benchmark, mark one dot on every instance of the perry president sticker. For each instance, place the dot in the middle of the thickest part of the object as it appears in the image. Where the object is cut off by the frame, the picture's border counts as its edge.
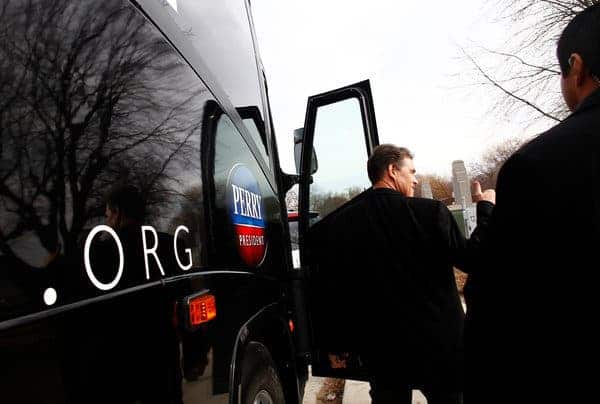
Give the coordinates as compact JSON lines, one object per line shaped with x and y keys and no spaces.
{"x":246,"y":210}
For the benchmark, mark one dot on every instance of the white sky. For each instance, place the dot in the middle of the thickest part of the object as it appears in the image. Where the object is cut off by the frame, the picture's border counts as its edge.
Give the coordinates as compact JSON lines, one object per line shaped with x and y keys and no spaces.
{"x":408,"y":51}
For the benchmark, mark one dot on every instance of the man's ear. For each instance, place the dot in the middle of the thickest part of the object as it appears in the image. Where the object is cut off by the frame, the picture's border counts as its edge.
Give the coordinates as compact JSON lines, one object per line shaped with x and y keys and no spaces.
{"x":390,"y":170}
{"x":578,"y":69}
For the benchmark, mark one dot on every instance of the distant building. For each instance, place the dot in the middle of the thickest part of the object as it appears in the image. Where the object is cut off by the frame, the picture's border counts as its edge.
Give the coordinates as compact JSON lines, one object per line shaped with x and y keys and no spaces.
{"x":461,"y":185}
{"x":426,"y":189}
{"x":463,"y":208}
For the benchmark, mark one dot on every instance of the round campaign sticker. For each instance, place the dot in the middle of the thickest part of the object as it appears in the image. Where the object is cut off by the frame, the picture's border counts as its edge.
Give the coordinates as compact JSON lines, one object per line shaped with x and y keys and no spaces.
{"x":246,"y":210}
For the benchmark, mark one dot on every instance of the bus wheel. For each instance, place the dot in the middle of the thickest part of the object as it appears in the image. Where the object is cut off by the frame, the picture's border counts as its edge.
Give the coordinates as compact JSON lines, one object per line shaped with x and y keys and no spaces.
{"x":260,"y":381}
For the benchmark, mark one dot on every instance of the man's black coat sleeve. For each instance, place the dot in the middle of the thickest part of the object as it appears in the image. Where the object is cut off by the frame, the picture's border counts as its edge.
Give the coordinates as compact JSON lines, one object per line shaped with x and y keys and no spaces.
{"x":465,"y":254}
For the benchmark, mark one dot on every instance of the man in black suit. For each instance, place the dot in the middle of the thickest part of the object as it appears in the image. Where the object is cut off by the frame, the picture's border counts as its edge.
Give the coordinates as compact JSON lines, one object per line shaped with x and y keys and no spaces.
{"x":387,"y":261}
{"x":531,"y":308}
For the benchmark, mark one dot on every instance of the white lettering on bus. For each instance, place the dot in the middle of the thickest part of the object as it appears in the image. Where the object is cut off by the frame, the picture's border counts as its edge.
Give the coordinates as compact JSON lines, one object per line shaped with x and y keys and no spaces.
{"x":247,"y":202}
{"x":251,"y":240}
{"x":257,"y":199}
{"x":86,"y":257}
{"x":187,"y":250}
{"x":236,"y":197}
{"x":147,"y":252}
{"x":152,"y":250}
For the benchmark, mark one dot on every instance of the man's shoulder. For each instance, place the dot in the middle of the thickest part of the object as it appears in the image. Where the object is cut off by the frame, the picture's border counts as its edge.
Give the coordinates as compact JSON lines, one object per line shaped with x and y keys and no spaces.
{"x":348,"y":209}
{"x":355,"y":203}
{"x":543,"y":142}
{"x":575,"y":132}
{"x":394,"y":199}
{"x":427,"y":210}
{"x":413,"y":203}
{"x":425,"y":204}
{"x":565,"y":143}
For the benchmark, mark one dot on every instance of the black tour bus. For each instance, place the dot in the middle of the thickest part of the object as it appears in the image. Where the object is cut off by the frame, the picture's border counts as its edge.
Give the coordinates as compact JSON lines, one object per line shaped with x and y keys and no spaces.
{"x":192,"y":298}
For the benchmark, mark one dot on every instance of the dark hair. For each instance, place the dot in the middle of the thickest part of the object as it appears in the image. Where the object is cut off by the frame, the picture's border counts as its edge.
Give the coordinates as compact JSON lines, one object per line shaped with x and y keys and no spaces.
{"x":128,"y":200}
{"x":582,"y":36}
{"x":382,"y":156}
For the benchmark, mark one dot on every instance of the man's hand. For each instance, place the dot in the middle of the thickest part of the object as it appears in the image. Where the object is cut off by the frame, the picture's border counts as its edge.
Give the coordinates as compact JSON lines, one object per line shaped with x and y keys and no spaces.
{"x":338,"y":361}
{"x":488,"y":195}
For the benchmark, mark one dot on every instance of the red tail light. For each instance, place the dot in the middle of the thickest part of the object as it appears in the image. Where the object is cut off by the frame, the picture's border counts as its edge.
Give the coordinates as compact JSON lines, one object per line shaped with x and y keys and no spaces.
{"x":202,"y":309}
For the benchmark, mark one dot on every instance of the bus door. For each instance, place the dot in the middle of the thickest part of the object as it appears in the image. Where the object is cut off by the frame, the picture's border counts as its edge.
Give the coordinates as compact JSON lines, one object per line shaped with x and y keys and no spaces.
{"x":339,"y":134}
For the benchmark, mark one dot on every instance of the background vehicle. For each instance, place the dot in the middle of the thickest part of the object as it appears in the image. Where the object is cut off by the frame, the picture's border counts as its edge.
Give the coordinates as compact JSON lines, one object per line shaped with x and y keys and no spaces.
{"x":199,"y":305}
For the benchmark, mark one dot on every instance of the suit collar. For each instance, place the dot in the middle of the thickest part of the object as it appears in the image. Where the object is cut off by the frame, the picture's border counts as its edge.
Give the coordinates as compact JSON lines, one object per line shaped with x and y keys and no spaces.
{"x":591,"y":101}
{"x":385,"y":190}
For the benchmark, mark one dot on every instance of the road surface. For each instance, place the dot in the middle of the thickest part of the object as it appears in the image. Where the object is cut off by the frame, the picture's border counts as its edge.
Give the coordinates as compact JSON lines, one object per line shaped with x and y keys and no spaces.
{"x":354,"y":393}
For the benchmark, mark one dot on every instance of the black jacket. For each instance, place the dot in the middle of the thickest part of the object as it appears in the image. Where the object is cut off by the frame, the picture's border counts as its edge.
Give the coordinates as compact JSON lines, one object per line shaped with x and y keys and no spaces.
{"x":385,"y":284}
{"x":533,"y":305}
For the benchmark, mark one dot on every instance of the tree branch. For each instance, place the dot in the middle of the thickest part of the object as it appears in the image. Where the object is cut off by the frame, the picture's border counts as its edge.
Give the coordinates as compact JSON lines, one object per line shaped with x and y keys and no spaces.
{"x":507,"y":92}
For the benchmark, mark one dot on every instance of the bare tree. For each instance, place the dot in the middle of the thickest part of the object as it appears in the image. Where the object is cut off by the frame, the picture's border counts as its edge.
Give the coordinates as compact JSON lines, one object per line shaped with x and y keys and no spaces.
{"x":441,"y":187}
{"x":327,"y":202}
{"x":524,"y":72}
{"x":486,"y":169}
{"x":89,"y":97}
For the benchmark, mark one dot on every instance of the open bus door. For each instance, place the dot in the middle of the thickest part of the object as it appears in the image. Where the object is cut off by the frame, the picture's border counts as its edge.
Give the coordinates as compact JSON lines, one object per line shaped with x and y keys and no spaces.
{"x":340,"y":129}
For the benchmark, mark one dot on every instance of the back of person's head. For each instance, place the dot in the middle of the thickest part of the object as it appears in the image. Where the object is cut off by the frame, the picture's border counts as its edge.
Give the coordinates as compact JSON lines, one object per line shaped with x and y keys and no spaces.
{"x":582,"y":36}
{"x":382,"y":156}
{"x":128,"y":200}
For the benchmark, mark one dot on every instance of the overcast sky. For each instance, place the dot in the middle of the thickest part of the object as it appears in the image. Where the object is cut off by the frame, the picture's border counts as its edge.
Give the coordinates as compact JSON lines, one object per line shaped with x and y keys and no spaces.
{"x":408,"y":50}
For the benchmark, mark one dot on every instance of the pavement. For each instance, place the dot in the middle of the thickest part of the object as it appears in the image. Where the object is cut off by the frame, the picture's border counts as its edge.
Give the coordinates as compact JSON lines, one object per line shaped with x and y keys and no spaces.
{"x":355,"y":392}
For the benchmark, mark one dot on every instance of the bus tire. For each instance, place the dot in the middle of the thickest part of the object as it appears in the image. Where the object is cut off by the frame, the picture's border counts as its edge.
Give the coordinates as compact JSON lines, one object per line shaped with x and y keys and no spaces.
{"x":260,"y":381}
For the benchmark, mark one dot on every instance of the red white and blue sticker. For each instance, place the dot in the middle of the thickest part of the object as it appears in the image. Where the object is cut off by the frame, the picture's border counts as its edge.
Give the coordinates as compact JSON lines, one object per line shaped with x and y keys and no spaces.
{"x":246,"y":209}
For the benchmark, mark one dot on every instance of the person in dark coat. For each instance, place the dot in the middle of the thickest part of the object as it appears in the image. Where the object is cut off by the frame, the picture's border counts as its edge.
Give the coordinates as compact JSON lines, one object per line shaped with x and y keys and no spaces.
{"x":387,"y":259}
{"x":530,"y":332}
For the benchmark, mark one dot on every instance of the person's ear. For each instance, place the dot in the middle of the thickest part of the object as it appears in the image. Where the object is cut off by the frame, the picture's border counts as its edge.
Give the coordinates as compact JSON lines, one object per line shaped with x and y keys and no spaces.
{"x":577,"y":68}
{"x":390,"y":170}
